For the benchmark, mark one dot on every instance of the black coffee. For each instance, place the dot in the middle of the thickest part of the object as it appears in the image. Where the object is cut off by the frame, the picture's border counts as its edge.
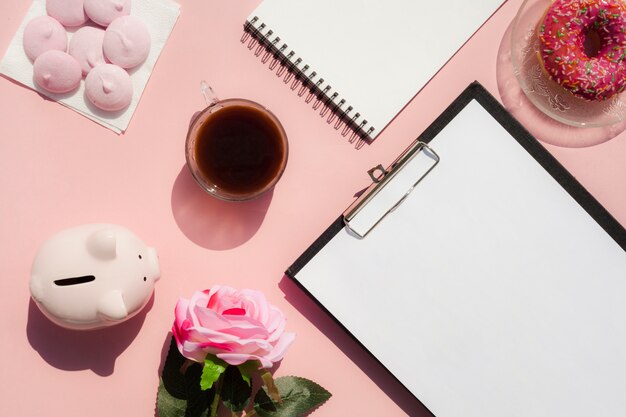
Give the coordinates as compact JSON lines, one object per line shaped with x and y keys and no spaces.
{"x":239,"y":149}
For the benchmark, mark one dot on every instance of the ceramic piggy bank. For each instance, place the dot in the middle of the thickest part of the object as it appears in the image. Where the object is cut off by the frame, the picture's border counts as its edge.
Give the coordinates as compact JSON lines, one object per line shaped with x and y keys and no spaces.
{"x":93,"y":276}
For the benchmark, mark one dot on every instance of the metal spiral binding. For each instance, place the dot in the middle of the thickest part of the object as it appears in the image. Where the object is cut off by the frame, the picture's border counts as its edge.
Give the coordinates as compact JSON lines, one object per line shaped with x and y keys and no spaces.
{"x":295,"y":73}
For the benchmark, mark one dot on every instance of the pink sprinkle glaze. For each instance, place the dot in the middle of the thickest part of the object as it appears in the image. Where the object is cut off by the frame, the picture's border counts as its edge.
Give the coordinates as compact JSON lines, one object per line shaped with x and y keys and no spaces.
{"x":562,"y":34}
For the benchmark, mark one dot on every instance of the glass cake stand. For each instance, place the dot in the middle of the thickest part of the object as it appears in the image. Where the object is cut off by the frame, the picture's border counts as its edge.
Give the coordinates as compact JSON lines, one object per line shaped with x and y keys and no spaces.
{"x":545,"y":94}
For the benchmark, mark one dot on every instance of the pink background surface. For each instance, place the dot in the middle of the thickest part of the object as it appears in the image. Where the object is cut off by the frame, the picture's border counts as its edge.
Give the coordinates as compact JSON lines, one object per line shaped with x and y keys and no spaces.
{"x":58,"y":169}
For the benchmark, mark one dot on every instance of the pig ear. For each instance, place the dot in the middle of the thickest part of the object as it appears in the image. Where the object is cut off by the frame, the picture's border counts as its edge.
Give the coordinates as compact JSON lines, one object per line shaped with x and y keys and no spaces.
{"x":102,"y":244}
{"x":111,"y":306}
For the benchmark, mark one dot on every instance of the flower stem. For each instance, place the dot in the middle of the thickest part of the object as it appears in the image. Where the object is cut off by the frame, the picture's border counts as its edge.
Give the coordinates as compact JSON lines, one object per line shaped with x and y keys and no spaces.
{"x":185,"y":366}
{"x":216,"y":400}
{"x":268,"y":380}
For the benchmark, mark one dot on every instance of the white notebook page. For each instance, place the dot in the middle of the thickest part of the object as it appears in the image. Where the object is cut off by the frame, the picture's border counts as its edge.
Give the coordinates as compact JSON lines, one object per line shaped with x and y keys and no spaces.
{"x":490,"y":292}
{"x":376,"y":54}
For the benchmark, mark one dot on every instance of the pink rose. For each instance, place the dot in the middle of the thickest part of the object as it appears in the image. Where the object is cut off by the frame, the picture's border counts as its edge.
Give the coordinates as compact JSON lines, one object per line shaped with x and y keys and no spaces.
{"x":236,"y":326}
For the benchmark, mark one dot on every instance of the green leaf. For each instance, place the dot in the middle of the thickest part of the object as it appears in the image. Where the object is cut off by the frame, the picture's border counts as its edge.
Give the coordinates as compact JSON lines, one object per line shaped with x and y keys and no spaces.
{"x":235,"y":391}
{"x":247,"y":369}
{"x":213,"y":368}
{"x":179,"y":393}
{"x":198,"y":400}
{"x":168,"y":405}
{"x":298,"y":395}
{"x":173,"y":379}
{"x":263,"y":404}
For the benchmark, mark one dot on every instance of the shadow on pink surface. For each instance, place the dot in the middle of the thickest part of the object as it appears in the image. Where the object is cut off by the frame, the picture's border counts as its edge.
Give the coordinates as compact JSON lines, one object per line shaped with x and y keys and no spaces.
{"x":74,"y":350}
{"x":212,"y":223}
{"x":352,"y":349}
{"x":541,"y":126}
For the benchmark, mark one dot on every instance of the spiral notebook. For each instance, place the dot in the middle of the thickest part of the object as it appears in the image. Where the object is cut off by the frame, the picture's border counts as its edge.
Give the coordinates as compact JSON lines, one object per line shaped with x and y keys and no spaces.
{"x":364,"y":59}
{"x":496,"y":288}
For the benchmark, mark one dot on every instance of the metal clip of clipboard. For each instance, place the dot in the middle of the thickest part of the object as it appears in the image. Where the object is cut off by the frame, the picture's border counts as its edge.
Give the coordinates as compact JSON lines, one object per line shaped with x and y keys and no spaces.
{"x":384,"y":177}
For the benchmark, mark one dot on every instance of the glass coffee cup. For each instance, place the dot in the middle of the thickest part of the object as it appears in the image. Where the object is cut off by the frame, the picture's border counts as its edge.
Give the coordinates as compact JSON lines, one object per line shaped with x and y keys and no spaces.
{"x":236,"y":149}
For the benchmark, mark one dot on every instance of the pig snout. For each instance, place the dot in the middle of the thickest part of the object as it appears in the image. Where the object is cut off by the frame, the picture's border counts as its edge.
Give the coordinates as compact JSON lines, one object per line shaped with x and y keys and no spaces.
{"x":153,"y":264}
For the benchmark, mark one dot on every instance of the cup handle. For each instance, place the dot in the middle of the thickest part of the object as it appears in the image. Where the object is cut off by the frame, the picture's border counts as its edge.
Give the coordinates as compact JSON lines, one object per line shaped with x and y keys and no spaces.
{"x":207,"y":92}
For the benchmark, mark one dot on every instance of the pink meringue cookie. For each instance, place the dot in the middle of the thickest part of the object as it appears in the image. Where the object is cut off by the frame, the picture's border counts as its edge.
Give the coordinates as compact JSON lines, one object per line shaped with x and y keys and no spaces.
{"x":56,"y":72}
{"x":42,"y":34}
{"x":103,"y":12}
{"x":109,"y":87}
{"x":86,"y":47}
{"x":69,"y":13}
{"x":127,"y":42}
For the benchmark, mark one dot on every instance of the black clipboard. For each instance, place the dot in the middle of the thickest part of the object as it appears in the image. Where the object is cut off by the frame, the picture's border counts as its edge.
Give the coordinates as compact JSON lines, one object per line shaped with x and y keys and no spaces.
{"x":478,"y":93}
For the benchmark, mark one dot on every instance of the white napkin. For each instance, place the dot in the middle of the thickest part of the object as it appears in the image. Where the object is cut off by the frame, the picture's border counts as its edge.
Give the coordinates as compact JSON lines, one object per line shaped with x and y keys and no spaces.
{"x":158,"y":15}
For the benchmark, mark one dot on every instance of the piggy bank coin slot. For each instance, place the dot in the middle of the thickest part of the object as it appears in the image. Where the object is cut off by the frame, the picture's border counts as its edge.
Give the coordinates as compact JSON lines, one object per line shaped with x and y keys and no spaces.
{"x":74,"y":280}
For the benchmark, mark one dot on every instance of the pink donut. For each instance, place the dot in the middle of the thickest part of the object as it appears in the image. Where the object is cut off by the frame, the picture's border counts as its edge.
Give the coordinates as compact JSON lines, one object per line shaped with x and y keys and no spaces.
{"x":86,"y":47}
{"x":127,"y":42}
{"x":103,"y":12}
{"x":43,"y":34}
{"x":109,"y":87}
{"x":562,"y":35}
{"x":68,"y":12}
{"x":56,"y":72}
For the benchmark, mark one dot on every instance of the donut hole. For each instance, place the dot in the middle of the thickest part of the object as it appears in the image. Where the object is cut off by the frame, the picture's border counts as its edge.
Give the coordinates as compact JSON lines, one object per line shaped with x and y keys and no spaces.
{"x":592,"y":42}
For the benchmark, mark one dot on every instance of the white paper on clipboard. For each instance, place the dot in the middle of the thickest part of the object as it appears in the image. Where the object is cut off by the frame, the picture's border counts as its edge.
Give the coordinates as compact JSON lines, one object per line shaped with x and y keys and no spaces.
{"x":490,"y":291}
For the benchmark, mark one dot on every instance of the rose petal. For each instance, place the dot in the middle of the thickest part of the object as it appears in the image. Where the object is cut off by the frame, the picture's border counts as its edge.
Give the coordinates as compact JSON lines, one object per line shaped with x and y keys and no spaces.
{"x":192,"y":351}
{"x":200,"y":336}
{"x":276,"y":325}
{"x":178,"y":338}
{"x":180,"y":316}
{"x":243,"y":333}
{"x":281,"y":347}
{"x":181,"y":331}
{"x":212,"y":296}
{"x":226,"y":298}
{"x":237,"y":326}
{"x":200,"y":333}
{"x":235,"y":312}
{"x":180,"y":311}
{"x":209,"y":319}
{"x":239,"y":358}
{"x":221,"y":347}
{"x":256,"y":346}
{"x":243,"y":321}
{"x":199,"y":298}
{"x":258,"y":304}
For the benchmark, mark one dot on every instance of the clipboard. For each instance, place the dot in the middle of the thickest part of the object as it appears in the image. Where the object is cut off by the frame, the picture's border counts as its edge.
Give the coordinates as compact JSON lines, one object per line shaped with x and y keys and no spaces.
{"x":489,"y":282}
